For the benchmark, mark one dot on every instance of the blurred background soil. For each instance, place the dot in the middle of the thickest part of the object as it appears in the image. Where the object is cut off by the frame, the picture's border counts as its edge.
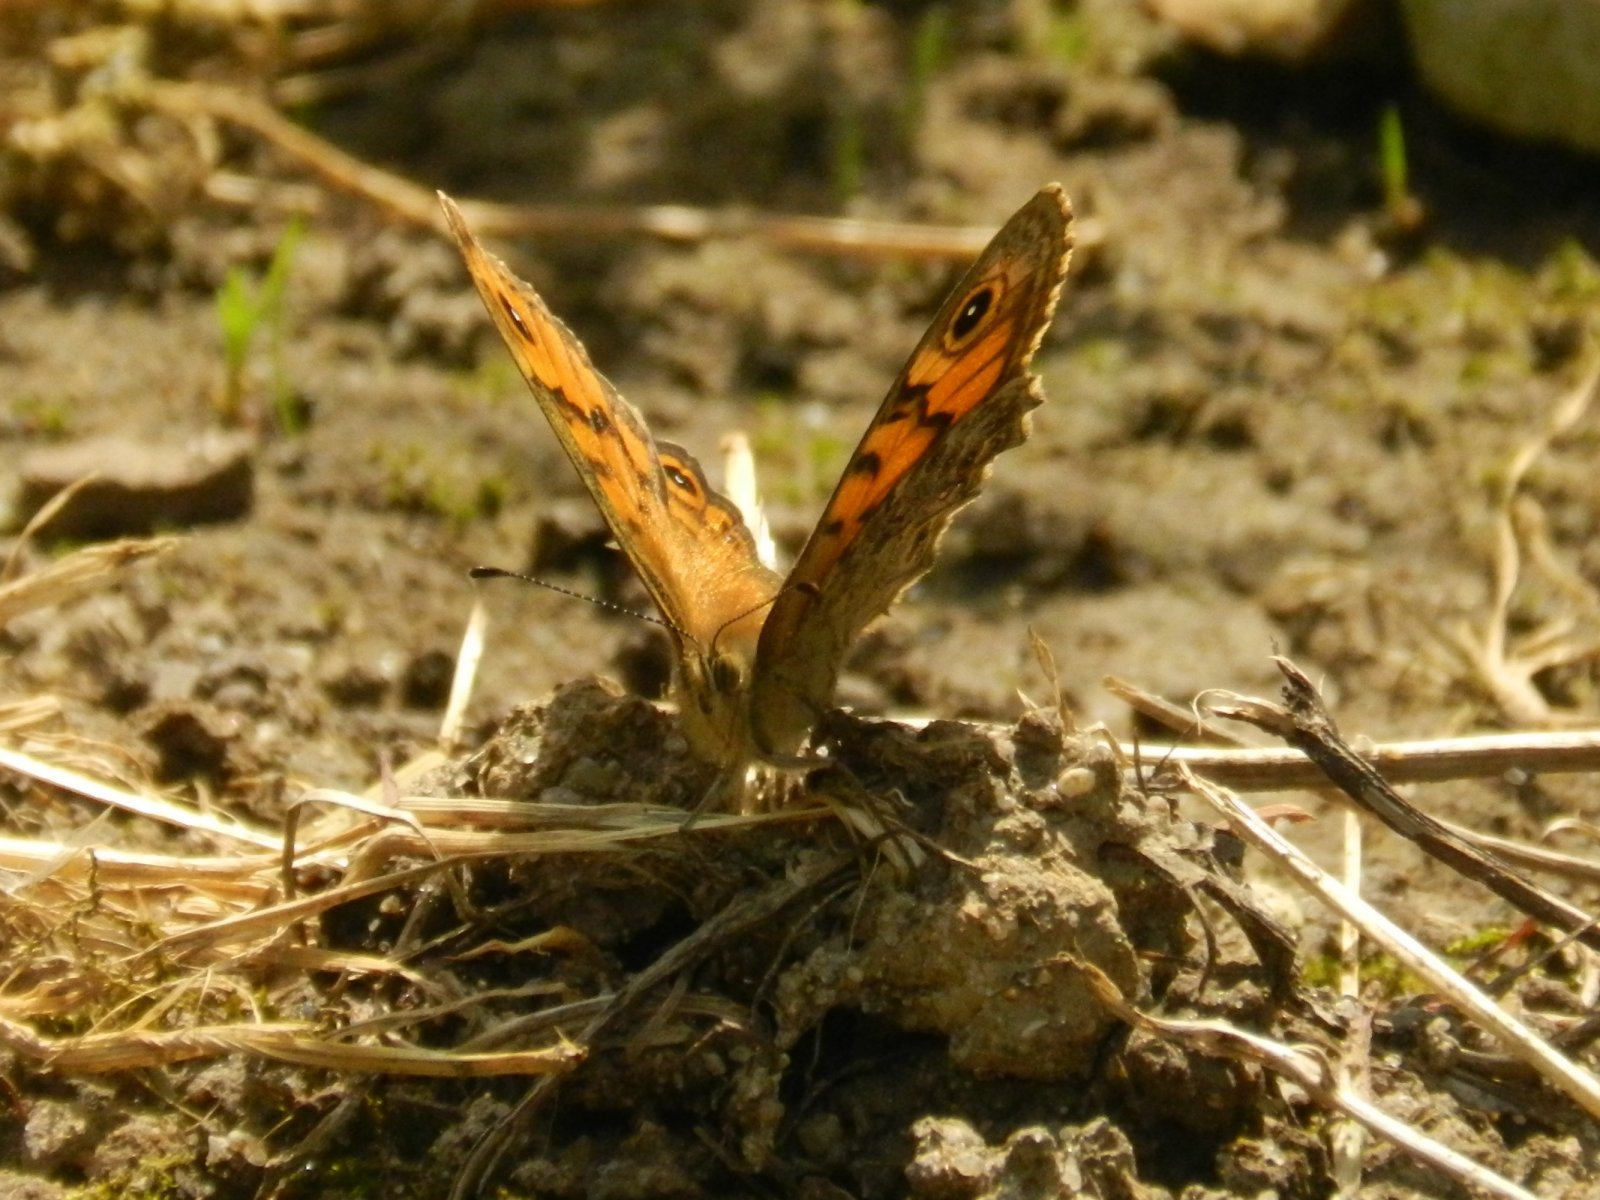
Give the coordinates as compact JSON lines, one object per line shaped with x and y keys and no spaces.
{"x":1314,"y":314}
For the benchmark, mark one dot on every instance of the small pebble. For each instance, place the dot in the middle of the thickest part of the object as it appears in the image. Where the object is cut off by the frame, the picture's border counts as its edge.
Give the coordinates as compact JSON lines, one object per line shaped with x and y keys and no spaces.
{"x":139,"y":487}
{"x":1075,"y":782}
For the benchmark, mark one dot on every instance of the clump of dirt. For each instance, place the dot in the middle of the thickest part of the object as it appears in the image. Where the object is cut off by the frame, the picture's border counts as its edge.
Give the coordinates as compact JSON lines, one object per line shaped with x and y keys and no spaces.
{"x":826,"y":988}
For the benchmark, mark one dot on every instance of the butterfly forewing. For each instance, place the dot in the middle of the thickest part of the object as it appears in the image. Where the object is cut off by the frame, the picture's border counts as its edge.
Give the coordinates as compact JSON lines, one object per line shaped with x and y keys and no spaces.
{"x":962,"y":398}
{"x":687,"y":543}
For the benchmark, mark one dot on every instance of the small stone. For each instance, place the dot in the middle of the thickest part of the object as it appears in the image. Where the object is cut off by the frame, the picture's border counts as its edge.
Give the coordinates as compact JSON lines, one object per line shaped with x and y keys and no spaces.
{"x":139,"y":487}
{"x":1528,"y":68}
{"x":822,"y":1137}
{"x":355,"y":685}
{"x":56,"y":1132}
{"x":14,"y":1185}
{"x":192,"y":739}
{"x":1293,"y":31}
{"x":1075,"y":782}
{"x":426,"y":682}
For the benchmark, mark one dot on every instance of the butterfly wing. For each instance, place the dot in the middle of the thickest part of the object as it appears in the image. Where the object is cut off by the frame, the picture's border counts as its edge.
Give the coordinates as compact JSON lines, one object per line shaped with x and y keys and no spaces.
{"x":963,"y":397}
{"x":688,"y":544}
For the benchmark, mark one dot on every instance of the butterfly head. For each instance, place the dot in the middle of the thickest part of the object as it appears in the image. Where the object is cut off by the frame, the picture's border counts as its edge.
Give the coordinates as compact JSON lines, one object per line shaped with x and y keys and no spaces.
{"x":712,"y":687}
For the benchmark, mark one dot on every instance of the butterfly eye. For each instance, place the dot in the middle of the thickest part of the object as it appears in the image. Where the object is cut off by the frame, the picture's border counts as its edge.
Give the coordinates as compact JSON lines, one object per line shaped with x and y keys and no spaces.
{"x":726,"y":676}
{"x":972,"y":312}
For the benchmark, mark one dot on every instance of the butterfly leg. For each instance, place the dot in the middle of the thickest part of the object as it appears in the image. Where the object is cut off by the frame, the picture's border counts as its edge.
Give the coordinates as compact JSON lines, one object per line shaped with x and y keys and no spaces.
{"x":729,"y":792}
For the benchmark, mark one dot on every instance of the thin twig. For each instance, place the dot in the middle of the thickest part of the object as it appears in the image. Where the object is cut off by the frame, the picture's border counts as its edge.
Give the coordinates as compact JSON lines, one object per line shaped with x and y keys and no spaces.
{"x":1312,"y":1072}
{"x":1306,"y":724}
{"x":415,"y":205}
{"x":85,"y":568}
{"x":155,"y":807}
{"x":1272,"y":769}
{"x":1562,"y":1073}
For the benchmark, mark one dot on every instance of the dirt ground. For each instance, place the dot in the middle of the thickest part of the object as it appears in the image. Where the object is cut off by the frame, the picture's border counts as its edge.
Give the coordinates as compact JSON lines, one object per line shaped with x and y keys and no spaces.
{"x":1279,"y":417}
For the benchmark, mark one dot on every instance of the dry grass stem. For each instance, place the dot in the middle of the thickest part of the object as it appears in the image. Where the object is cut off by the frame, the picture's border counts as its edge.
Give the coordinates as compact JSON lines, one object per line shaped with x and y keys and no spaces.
{"x":141,"y":939}
{"x":157,"y":808}
{"x":29,"y":713}
{"x":1434,"y":760}
{"x":1311,"y":1072}
{"x":1504,"y":670}
{"x":739,"y":485}
{"x":748,"y":910}
{"x":1304,"y":722}
{"x":1184,"y":721}
{"x":415,"y":205}
{"x":1536,"y":858}
{"x":83,"y":570}
{"x":466,"y":675}
{"x":293,"y":1042}
{"x":1249,"y":768}
{"x":1522,"y":1043}
{"x":40,"y":519}
{"x":113,"y":868}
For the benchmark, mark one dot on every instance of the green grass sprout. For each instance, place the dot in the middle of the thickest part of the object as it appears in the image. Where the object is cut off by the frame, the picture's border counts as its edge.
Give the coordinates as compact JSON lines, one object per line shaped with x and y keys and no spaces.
{"x":246,"y":308}
{"x":1405,"y":211}
{"x":930,"y":50}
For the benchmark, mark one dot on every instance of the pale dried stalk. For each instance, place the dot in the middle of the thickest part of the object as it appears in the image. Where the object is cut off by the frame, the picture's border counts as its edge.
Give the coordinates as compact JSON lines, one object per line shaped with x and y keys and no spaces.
{"x":739,"y":485}
{"x":248,"y":880}
{"x":1277,"y":768}
{"x":1272,"y":769}
{"x":40,"y":519}
{"x":157,"y":808}
{"x":293,"y":1042}
{"x":16,"y":716}
{"x":1313,"y":1073}
{"x":448,"y":848}
{"x":416,"y":206}
{"x":84,"y":569}
{"x":466,"y":675}
{"x":1507,"y":672}
{"x":1561,"y":1072}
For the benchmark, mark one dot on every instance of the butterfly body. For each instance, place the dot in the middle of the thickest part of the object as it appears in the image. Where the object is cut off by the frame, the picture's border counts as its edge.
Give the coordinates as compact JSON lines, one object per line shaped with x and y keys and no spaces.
{"x":757,"y":655}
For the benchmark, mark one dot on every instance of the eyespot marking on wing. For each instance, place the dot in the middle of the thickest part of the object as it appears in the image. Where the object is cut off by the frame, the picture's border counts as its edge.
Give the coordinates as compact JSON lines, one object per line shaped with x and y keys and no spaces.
{"x":945,"y":381}
{"x":972,"y":313}
{"x":682,"y":480}
{"x":963,"y":397}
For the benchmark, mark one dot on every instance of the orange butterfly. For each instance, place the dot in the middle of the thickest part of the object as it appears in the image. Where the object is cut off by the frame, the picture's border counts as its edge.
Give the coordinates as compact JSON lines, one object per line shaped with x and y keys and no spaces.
{"x":757,"y":655}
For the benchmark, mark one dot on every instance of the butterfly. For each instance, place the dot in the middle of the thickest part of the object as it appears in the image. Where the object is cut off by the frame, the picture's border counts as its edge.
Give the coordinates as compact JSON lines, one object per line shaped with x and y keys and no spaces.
{"x":757,"y":654}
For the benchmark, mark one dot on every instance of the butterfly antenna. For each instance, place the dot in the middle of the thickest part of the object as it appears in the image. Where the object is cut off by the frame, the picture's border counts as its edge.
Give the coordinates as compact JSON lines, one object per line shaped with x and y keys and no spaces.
{"x":502,"y":573}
